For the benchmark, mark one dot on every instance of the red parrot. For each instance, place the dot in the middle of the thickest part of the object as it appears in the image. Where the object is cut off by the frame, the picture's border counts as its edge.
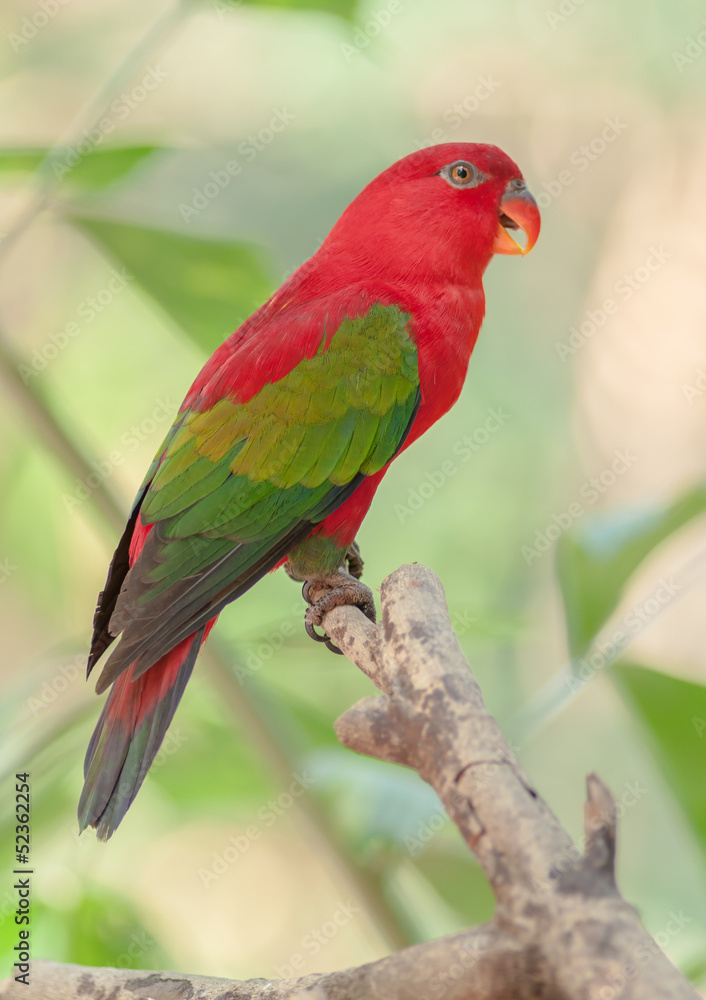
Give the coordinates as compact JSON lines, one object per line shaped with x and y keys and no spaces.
{"x":282,"y":440}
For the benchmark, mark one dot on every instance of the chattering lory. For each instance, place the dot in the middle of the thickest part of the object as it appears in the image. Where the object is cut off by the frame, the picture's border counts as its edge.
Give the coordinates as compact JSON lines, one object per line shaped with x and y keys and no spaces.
{"x":283,"y":438}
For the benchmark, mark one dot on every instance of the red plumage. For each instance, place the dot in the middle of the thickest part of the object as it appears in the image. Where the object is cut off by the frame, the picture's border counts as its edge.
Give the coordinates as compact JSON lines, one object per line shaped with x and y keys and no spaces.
{"x":417,"y":238}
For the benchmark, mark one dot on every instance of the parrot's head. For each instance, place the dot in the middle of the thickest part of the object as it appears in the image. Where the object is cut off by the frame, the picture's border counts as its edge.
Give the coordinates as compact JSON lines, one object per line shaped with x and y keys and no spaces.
{"x":440,"y":214}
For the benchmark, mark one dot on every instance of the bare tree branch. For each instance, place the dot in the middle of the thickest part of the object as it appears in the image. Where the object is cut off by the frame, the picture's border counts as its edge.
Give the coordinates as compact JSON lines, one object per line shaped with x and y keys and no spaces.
{"x":561,"y":929}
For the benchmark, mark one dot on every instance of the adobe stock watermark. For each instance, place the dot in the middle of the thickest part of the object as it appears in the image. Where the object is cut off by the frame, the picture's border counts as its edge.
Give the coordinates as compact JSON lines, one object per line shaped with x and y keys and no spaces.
{"x":565,"y":10}
{"x":249,"y":149}
{"x":462,"y":621}
{"x":172,"y":742}
{"x":439,"y":985}
{"x":624,"y":289}
{"x":7,"y":568}
{"x":631,"y":793}
{"x":463,"y":449}
{"x":580,"y":159}
{"x":139,"y":944}
{"x":224,"y":7}
{"x":428,"y":827}
{"x":693,"y":392}
{"x":610,"y":987}
{"x":32,"y":24}
{"x":694,"y":48}
{"x":237,"y":845}
{"x":590,"y":492}
{"x":461,"y":110}
{"x":316,"y":939}
{"x":119,"y":110}
{"x":86,"y":312}
{"x":607,"y":648}
{"x":374,"y":26}
{"x":271,"y":642}
{"x":164,"y":411}
{"x":49,"y":691}
{"x":130,"y":778}
{"x":425,"y":832}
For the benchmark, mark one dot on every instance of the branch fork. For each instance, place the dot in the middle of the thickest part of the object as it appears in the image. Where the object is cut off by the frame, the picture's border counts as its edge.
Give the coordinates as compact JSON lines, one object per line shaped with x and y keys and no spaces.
{"x":561,"y":929}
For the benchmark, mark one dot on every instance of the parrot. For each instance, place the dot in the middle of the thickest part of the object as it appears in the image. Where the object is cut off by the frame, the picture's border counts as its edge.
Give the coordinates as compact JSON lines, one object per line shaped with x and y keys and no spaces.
{"x":275,"y":454}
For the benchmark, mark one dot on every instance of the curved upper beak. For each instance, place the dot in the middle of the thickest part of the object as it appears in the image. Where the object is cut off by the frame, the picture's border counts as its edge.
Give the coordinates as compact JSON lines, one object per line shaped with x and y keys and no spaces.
{"x":518,"y":210}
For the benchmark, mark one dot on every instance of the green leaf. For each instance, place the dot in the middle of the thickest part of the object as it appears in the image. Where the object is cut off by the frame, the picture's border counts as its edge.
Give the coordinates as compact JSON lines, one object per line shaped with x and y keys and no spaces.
{"x":596,"y":559}
{"x":207,"y":288}
{"x":98,"y":169}
{"x":104,"y":166}
{"x":674,"y":713}
{"x":342,"y":8}
{"x":21,"y":160}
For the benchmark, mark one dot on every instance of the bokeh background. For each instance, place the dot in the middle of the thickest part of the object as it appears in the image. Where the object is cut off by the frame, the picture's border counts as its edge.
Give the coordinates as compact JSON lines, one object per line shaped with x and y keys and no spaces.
{"x":570,"y":536}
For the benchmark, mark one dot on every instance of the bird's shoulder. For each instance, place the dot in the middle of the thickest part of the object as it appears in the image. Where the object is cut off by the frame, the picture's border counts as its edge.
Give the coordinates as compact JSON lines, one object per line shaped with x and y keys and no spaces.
{"x":351,"y":327}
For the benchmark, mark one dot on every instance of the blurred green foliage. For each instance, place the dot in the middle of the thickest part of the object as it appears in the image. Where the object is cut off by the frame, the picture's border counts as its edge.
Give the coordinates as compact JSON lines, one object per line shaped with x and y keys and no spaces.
{"x":203,"y":285}
{"x":596,"y":560}
{"x":100,"y":168}
{"x":673,"y":713}
{"x":192,"y":285}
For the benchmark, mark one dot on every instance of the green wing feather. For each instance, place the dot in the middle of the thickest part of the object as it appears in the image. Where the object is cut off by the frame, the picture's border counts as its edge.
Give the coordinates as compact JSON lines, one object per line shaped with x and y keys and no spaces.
{"x":236,"y":483}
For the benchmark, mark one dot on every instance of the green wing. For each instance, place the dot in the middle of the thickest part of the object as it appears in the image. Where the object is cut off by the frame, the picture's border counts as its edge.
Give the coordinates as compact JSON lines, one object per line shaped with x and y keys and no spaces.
{"x":240,"y":484}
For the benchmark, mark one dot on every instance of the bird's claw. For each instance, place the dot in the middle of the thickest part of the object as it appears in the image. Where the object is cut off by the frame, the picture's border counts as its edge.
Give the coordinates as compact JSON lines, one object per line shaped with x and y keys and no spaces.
{"x":313,"y":634}
{"x":340,"y":589}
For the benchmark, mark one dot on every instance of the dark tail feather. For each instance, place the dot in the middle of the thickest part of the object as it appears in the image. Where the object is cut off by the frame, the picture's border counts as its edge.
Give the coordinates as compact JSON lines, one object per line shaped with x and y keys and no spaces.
{"x":132,"y":725}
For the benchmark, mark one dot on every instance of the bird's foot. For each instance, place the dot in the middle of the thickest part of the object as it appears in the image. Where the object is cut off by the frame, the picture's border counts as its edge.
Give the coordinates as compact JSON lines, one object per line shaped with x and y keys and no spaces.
{"x":334,"y":591}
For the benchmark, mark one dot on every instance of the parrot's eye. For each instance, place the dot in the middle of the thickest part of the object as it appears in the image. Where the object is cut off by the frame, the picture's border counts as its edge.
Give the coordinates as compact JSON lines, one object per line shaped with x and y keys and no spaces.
{"x":461,"y":174}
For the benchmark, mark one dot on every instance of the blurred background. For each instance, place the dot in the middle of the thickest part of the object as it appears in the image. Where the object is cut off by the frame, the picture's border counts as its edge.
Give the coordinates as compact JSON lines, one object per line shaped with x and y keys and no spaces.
{"x":163,"y":168}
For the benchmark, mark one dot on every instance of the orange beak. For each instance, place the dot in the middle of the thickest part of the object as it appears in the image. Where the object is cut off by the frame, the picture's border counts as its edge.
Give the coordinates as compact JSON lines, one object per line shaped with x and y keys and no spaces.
{"x":518,"y":210}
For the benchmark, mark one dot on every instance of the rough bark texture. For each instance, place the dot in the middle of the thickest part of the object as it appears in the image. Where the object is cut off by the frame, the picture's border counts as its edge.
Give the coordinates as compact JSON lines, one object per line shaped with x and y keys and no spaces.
{"x":561,"y":930}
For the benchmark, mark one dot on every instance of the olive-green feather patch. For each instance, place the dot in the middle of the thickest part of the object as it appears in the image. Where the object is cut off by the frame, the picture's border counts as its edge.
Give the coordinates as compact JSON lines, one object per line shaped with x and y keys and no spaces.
{"x":243,"y":474}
